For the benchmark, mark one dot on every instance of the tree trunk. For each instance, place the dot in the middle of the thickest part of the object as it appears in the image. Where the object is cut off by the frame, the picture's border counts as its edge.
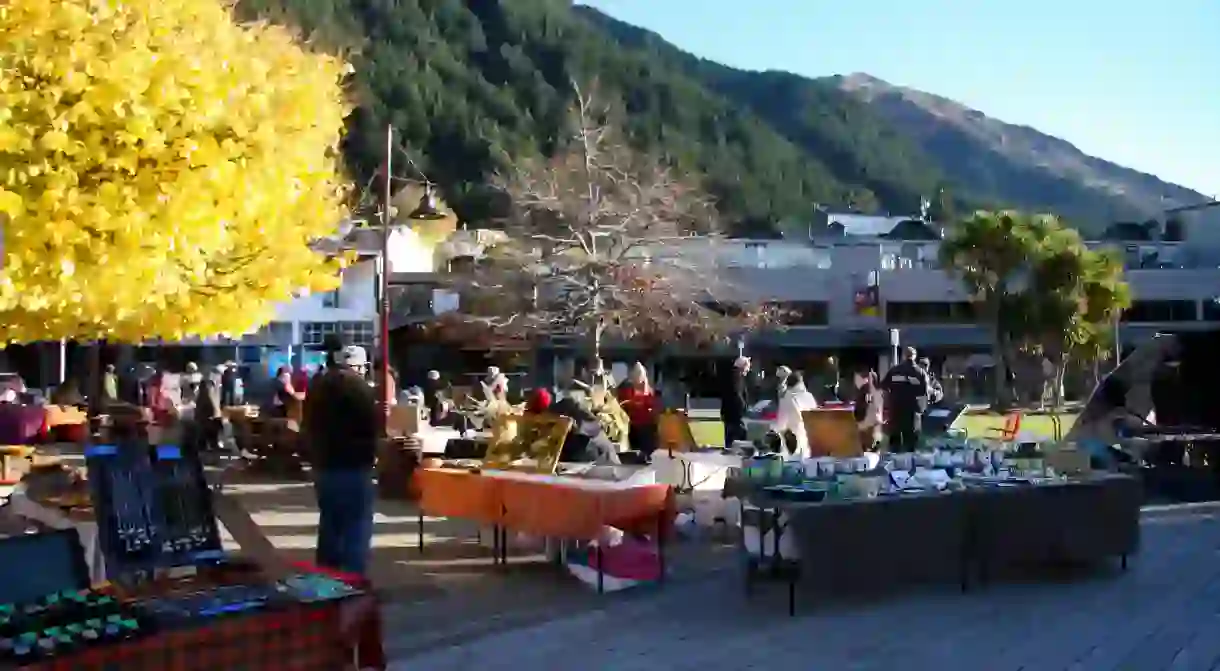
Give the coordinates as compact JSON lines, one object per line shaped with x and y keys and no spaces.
{"x":94,"y":386}
{"x":999,"y":354}
{"x":598,"y":330}
{"x":1057,"y":380}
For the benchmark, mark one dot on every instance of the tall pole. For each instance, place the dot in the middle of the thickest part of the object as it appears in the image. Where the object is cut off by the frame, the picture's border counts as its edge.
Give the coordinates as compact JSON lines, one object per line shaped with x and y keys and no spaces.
{"x":383,"y":298}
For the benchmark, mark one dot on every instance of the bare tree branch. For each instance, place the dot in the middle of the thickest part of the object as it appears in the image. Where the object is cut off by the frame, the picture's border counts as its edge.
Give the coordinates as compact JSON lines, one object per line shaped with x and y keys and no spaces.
{"x":588,"y":236}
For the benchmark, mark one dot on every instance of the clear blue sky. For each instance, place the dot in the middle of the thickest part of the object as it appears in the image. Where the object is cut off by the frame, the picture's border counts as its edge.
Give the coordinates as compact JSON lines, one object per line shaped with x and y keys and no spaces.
{"x":1137,"y":83}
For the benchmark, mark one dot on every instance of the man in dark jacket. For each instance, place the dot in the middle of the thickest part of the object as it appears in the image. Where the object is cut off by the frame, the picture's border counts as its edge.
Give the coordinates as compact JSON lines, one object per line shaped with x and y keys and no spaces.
{"x":228,"y":385}
{"x":734,"y":401}
{"x":434,"y":398}
{"x":906,"y":397}
{"x":340,"y":425}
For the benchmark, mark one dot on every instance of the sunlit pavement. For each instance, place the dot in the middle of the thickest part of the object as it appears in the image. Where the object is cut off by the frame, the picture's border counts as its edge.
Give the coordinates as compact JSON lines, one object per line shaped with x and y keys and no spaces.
{"x":1164,"y":613}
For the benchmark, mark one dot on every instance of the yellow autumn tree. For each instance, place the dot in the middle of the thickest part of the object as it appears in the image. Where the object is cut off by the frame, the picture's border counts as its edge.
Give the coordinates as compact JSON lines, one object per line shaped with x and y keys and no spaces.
{"x":163,"y":168}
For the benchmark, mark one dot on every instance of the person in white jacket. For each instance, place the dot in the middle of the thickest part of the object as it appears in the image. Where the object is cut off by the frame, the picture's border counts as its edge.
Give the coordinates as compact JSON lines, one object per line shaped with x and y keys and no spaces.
{"x":795,"y":400}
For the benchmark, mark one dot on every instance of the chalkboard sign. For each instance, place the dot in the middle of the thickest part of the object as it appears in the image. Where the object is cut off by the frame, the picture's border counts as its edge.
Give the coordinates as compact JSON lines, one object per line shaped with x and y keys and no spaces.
{"x":153,"y":507}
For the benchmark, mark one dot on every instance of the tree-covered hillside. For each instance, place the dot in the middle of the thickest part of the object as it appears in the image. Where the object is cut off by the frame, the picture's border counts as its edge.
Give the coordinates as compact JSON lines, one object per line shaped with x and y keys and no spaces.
{"x":471,"y":84}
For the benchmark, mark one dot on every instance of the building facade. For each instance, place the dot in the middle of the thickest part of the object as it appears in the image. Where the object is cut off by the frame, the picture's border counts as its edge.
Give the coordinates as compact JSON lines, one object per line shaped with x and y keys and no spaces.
{"x":297,"y":331}
{"x":851,"y":290}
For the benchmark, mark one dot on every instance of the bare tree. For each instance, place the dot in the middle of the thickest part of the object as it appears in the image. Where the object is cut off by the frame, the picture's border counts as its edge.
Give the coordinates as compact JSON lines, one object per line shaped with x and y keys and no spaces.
{"x":603,"y":243}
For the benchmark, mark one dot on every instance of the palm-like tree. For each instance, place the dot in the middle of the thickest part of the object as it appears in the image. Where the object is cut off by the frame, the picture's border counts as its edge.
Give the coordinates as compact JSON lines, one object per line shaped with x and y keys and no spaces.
{"x":991,"y":253}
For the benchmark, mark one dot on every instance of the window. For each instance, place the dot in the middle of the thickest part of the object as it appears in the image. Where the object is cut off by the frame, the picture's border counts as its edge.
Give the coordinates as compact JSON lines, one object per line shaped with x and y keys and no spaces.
{"x":806,"y":313}
{"x":277,"y":334}
{"x":412,"y":300}
{"x":1161,"y":311}
{"x":757,"y":252}
{"x":330,"y":299}
{"x":313,"y":334}
{"x":930,"y":312}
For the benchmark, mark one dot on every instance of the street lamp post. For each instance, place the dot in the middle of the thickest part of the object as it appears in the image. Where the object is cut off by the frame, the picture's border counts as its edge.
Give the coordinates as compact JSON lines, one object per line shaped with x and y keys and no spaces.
{"x":426,"y":211}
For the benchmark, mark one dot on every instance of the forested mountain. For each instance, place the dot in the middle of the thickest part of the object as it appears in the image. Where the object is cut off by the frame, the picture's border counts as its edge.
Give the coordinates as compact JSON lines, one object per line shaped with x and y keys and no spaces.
{"x":1000,"y":161}
{"x":470,"y":84}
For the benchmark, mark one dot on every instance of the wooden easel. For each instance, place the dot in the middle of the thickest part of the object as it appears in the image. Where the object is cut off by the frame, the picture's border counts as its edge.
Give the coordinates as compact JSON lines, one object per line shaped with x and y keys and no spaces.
{"x":254,"y":544}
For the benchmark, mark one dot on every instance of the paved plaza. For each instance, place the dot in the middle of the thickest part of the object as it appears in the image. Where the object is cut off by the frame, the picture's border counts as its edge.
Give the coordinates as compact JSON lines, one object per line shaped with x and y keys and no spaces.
{"x":449,"y":609}
{"x":1164,"y":613}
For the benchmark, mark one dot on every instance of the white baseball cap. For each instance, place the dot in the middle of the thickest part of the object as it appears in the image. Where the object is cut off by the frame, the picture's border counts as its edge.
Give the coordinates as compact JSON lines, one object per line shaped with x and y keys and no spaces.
{"x":353,"y":356}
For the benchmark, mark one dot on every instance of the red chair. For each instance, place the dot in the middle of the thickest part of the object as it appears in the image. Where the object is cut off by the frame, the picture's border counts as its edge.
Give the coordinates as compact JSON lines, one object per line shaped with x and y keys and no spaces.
{"x":1012,"y":427}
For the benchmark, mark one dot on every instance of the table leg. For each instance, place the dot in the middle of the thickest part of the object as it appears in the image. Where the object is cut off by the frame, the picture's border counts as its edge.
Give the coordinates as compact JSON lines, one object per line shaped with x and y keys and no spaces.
{"x":661,"y":547}
{"x":419,"y":543}
{"x":1124,"y":562}
{"x":504,"y":547}
{"x":776,"y":559}
{"x":601,"y":573}
{"x":964,"y":569}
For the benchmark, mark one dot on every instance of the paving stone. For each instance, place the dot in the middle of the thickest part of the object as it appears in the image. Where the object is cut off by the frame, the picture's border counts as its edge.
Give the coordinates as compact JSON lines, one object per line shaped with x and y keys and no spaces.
{"x":1162,"y":614}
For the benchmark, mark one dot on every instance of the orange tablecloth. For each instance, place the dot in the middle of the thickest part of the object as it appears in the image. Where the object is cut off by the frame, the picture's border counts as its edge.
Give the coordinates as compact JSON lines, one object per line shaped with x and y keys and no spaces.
{"x":461,"y":494}
{"x":545,"y":508}
{"x":560,"y":511}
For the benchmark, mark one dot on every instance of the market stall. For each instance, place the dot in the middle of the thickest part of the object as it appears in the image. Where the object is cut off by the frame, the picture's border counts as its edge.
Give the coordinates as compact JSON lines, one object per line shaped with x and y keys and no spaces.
{"x":171,"y":598}
{"x":835,"y":524}
{"x":521,"y":487}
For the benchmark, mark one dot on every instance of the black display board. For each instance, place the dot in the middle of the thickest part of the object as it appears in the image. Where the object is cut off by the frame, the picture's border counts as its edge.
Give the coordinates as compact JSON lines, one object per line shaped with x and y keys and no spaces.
{"x":153,"y":507}
{"x":41,"y":564}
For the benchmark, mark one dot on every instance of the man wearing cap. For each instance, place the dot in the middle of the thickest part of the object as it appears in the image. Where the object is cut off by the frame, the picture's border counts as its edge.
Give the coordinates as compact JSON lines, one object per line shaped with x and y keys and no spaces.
{"x":340,"y":426}
{"x":906,"y":396}
{"x":734,"y":401}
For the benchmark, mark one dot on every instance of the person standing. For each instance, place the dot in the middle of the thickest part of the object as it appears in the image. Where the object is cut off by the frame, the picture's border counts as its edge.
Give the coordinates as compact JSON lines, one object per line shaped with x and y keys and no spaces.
{"x":936,"y":392}
{"x":340,"y":427}
{"x":788,"y":416}
{"x":282,"y":393}
{"x":300,"y":379}
{"x":434,"y":398}
{"x":868,"y":411}
{"x":734,"y":401}
{"x":228,"y":385}
{"x":781,"y":381}
{"x":110,"y":385}
{"x":190,"y":383}
{"x":640,"y":402}
{"x":208,"y":416}
{"x":906,"y":397}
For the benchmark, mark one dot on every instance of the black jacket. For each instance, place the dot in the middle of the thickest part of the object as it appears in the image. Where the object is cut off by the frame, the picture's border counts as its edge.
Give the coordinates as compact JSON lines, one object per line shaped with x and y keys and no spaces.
{"x":906,"y":389}
{"x":734,"y":401}
{"x":434,"y":398}
{"x":339,"y":421}
{"x":228,"y":387}
{"x":576,"y":443}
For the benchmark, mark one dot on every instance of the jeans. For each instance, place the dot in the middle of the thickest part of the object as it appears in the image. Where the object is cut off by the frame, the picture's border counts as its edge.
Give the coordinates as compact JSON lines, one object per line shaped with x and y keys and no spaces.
{"x":345,"y":521}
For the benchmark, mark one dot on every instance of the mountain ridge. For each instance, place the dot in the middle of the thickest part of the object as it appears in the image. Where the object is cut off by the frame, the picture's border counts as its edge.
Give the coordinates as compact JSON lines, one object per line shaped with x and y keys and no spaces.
{"x":471,"y":85}
{"x":1095,"y":193}
{"x":1041,"y":150}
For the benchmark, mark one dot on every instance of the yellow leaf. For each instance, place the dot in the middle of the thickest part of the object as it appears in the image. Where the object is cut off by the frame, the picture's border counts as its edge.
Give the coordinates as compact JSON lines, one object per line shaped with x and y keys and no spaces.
{"x":173,"y":162}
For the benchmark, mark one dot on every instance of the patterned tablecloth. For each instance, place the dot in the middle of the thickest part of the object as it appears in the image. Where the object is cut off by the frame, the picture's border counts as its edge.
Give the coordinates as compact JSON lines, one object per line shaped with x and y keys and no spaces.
{"x":307,"y":638}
